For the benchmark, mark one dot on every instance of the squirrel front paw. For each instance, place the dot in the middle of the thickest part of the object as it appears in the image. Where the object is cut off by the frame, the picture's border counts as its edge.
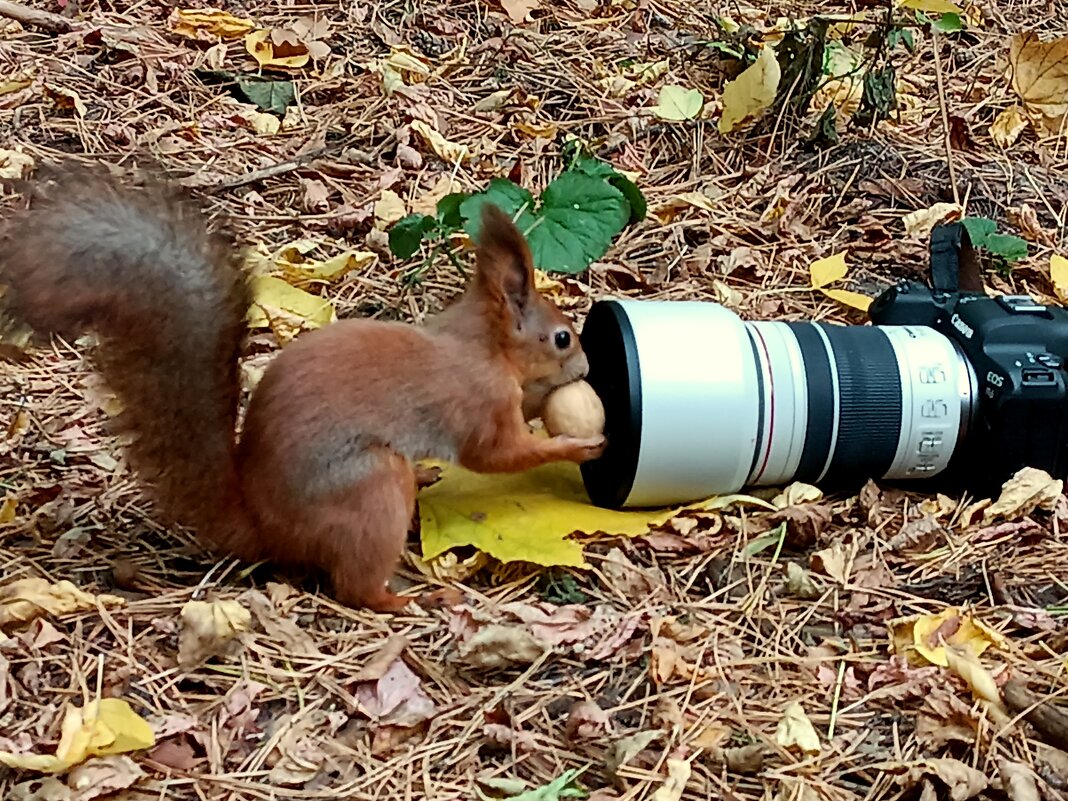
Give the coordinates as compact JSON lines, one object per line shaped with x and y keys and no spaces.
{"x":583,"y":449}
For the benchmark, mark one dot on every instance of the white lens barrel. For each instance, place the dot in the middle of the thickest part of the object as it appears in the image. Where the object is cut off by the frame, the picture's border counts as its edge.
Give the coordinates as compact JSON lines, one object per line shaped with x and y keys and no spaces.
{"x":699,"y":403}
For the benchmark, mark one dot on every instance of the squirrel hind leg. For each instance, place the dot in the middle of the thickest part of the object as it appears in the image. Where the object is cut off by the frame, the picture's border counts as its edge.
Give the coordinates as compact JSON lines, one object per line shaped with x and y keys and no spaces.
{"x":366,"y":527}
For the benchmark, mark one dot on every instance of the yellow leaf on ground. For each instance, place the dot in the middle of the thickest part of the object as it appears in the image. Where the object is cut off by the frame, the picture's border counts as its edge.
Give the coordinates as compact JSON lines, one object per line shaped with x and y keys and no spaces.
{"x":1040,"y":76}
{"x":529,"y":517}
{"x":209,"y":628}
{"x":428,"y":203}
{"x":928,"y":635}
{"x":29,"y":598}
{"x":796,"y":730}
{"x":263,"y":123}
{"x":967,"y":666}
{"x":748,"y":95}
{"x":678,"y":103}
{"x":285,"y":309}
{"x":101,"y":728}
{"x":1058,"y":273}
{"x":922,"y":222}
{"x":833,"y":268}
{"x":389,"y":208}
{"x":261,"y":46}
{"x":1008,"y":126}
{"x":8,"y":509}
{"x":450,"y":152}
{"x":290,"y":259}
{"x":932,"y":6}
{"x":208,"y":23}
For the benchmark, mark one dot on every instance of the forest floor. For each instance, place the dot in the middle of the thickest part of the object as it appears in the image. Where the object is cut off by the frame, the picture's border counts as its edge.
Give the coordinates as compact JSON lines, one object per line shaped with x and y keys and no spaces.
{"x":734,"y":654}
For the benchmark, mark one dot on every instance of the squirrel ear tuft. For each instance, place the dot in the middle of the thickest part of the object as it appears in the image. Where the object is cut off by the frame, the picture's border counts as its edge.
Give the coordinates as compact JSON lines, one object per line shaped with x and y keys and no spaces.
{"x":504,"y":263}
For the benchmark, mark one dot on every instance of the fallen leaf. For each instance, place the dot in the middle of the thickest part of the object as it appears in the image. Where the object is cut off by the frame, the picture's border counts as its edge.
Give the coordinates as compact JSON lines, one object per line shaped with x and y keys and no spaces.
{"x":833,"y":268}
{"x":496,"y":646}
{"x":389,"y":208}
{"x":932,"y":6}
{"x":834,"y":562}
{"x":978,"y":678}
{"x":208,"y":24}
{"x":748,"y":95}
{"x":397,"y":698}
{"x":795,"y":729}
{"x":795,"y":493}
{"x":48,"y":788}
{"x":305,"y":746}
{"x":285,"y":309}
{"x":25,"y":599}
{"x":1058,"y":273}
{"x":427,"y":203}
{"x":1018,"y":781}
{"x":529,"y":516}
{"x":104,"y":727}
{"x":585,"y":721}
{"x":1007,"y":126}
{"x":668,"y":209}
{"x":1029,"y":489}
{"x":799,"y":582}
{"x":962,"y":781}
{"x":622,"y":751}
{"x":262,"y":123}
{"x":15,"y":165}
{"x":557,"y":790}
{"x":210,"y":628}
{"x":675,"y":783}
{"x":103,"y":777}
{"x":678,"y":103}
{"x":925,"y":634}
{"x":447,"y":151}
{"x":518,"y":11}
{"x":278,"y":628}
{"x":9,"y":509}
{"x":289,"y":53}
{"x":920,"y":223}
{"x":1040,"y":77}
{"x":292,"y":261}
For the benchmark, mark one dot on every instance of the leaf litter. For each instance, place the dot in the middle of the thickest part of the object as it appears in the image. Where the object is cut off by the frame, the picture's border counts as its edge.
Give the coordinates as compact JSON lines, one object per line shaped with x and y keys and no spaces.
{"x":661,"y":657}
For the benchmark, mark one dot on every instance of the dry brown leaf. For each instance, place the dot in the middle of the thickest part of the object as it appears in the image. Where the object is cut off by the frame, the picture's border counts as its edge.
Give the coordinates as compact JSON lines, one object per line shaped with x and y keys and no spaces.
{"x":1008,"y":126}
{"x":962,"y":781}
{"x":447,"y":151}
{"x":1018,"y":781}
{"x":920,"y":223}
{"x":396,"y":699}
{"x":15,"y":165}
{"x":585,"y":721}
{"x":835,"y":562}
{"x":1029,"y":489}
{"x":278,"y":628}
{"x":103,"y":777}
{"x":1040,"y":77}
{"x":622,"y":751}
{"x":675,"y":783}
{"x":518,"y":11}
{"x":210,"y":628}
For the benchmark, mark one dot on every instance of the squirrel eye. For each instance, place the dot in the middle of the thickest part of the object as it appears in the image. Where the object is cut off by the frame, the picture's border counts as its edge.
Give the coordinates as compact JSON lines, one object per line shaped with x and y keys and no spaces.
{"x":562,"y":340}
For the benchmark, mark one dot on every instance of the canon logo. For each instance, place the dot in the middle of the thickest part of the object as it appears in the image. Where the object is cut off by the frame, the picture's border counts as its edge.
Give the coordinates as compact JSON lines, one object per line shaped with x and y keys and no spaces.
{"x":961,"y":326}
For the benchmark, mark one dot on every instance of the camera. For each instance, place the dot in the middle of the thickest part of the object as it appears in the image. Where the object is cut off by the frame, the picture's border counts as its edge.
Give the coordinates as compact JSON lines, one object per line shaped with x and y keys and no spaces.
{"x":947,"y":389}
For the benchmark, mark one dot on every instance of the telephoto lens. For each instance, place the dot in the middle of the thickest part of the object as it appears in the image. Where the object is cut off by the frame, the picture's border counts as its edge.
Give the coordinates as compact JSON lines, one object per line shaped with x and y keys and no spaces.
{"x":700,"y":403}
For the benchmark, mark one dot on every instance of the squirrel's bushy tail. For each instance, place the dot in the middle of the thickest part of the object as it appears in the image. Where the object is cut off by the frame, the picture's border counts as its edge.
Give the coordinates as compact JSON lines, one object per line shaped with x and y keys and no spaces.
{"x":167,"y":300}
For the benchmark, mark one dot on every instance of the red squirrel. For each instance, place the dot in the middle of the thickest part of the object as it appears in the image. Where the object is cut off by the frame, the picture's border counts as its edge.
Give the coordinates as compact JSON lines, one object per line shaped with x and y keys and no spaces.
{"x":322,"y":475}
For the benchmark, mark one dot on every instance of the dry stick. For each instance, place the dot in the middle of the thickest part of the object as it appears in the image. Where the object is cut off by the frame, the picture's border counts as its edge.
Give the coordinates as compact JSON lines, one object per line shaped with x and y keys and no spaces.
{"x":1047,"y":719}
{"x":31,"y":16}
{"x":272,"y":171}
{"x":945,"y":116}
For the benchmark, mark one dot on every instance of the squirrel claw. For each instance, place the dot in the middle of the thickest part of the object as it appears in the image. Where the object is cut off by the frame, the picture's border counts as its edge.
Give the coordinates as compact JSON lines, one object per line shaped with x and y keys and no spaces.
{"x":584,"y":449}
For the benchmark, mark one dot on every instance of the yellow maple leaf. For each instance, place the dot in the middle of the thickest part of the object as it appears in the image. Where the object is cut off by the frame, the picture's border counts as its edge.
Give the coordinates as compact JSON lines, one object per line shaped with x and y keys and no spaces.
{"x":208,"y":23}
{"x":678,"y":103}
{"x":833,"y":268}
{"x":529,"y":517}
{"x":1040,"y":76}
{"x":1008,"y":126}
{"x":928,"y":635}
{"x":104,"y":727}
{"x":748,"y":95}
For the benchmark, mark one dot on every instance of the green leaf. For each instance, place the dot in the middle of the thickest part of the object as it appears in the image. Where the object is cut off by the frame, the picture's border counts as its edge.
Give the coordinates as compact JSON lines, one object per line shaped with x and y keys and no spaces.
{"x":948,"y":23}
{"x":578,"y":219}
{"x":407,"y":234}
{"x":983,"y":233}
{"x":449,"y":210}
{"x":271,"y":96}
{"x":560,"y":788}
{"x":678,"y":103}
{"x":502,"y":193}
{"x":596,"y":168}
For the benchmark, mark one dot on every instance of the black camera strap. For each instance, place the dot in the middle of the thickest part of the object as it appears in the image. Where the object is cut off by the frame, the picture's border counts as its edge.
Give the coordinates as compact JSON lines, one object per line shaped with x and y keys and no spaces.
{"x":954,"y":265}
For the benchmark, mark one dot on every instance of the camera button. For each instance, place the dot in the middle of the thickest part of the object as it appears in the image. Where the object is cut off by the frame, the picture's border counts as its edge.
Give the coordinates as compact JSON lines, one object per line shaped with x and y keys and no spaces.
{"x":1050,"y":360}
{"x":1021,"y":304}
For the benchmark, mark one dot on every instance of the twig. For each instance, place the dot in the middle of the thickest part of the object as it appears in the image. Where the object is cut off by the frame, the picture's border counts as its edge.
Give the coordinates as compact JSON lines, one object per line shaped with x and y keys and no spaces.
{"x":1047,"y":719}
{"x":31,"y":16}
{"x":272,"y":171}
{"x":945,"y":117}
